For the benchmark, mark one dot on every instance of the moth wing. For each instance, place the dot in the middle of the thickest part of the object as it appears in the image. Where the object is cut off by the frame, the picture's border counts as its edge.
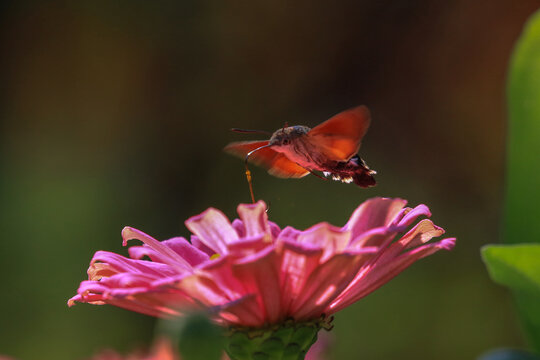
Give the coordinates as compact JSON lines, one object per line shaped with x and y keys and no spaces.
{"x":339,"y":138}
{"x":284,"y":168}
{"x":276,"y":163}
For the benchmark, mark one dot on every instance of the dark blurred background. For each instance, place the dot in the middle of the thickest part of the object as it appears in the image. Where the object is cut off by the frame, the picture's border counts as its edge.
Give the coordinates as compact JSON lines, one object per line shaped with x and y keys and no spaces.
{"x":115,"y":113}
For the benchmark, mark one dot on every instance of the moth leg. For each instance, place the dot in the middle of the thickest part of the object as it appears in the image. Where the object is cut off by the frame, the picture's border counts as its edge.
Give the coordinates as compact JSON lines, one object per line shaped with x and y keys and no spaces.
{"x":319,"y":176}
{"x":312,"y":172}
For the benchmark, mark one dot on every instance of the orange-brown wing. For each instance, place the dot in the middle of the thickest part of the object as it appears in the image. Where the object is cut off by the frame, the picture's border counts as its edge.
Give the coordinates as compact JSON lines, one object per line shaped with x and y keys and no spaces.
{"x":339,"y":137}
{"x":276,"y":163}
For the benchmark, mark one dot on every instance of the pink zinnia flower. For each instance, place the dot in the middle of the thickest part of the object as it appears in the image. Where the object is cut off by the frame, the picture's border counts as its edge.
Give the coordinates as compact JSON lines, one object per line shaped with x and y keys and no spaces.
{"x":251,"y":273}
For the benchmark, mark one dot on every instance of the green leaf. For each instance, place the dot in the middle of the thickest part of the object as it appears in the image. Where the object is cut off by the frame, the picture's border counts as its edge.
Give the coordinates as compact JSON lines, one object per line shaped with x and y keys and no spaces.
{"x":518,"y":267}
{"x":515,"y":266}
{"x":522,"y":210}
{"x":523,"y":176}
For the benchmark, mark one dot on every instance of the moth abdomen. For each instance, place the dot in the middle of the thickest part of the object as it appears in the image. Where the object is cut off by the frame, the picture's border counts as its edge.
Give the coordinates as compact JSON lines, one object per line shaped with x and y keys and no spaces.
{"x":355,"y":170}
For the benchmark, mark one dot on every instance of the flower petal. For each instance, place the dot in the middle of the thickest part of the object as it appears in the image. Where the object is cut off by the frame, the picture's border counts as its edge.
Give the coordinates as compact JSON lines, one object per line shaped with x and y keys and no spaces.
{"x":181,"y":246}
{"x":168,"y":255}
{"x":213,"y":229}
{"x":254,"y":218}
{"x":326,"y":283}
{"x":409,"y":215}
{"x":105,"y":264}
{"x":249,"y":246}
{"x":380,"y":273}
{"x":373,"y":213}
{"x":328,"y":237}
{"x":298,"y":261}
{"x":424,"y":231}
{"x":379,"y":237}
{"x":201,"y":246}
{"x":260,"y":275}
{"x":243,"y":312}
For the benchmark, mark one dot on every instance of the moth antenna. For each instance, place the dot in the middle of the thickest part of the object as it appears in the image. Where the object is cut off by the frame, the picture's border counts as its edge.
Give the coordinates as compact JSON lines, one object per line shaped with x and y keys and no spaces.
{"x":284,"y":126}
{"x":251,"y":131}
{"x":248,"y":173}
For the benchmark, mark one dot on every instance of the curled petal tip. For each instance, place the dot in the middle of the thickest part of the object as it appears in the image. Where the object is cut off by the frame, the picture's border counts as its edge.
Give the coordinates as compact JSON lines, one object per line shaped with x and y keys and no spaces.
{"x":424,"y":210}
{"x":127,"y":234}
{"x":72,"y":302}
{"x":448,"y":244}
{"x":439,"y":230}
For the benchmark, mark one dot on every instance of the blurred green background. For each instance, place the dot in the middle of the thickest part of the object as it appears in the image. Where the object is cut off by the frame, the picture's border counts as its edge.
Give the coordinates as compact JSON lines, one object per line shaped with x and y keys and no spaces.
{"x":115,"y":113}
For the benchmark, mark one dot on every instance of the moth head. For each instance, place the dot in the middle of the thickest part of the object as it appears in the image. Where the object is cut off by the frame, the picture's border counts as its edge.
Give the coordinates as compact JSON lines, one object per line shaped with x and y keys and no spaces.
{"x":285,"y":136}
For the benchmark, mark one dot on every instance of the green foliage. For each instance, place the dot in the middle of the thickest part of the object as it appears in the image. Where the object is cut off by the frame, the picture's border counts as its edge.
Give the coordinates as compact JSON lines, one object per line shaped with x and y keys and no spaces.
{"x":515,"y":266}
{"x":198,"y":338}
{"x":518,"y":267}
{"x":523,"y":179}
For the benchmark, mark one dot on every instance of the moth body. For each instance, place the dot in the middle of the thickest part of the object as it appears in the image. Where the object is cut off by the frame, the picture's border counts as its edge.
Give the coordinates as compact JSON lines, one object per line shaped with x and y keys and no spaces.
{"x":294,"y":144}
{"x":331,"y":148}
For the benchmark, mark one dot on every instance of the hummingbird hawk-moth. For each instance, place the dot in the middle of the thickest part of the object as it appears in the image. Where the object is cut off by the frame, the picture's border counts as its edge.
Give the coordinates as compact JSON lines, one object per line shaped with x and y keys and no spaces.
{"x":296,"y":151}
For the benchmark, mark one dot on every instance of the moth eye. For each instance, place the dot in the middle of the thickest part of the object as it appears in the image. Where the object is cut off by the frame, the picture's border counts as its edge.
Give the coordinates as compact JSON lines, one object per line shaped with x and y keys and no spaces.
{"x":285,"y":141}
